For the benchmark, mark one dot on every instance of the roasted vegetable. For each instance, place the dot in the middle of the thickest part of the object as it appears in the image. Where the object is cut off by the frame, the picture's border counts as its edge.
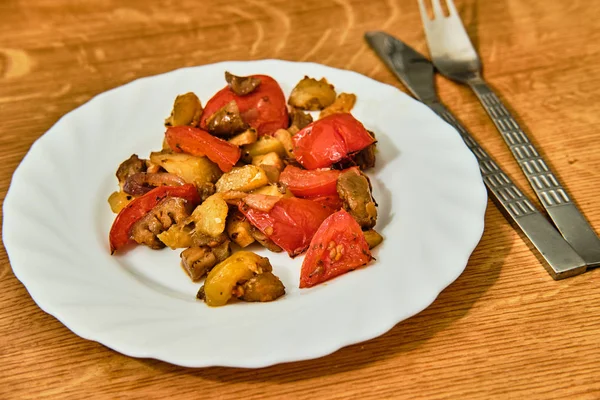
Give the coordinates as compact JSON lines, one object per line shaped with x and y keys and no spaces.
{"x":285,"y":137}
{"x":118,"y":200}
{"x":244,"y":179}
{"x":354,"y":189}
{"x":306,"y":183}
{"x":264,"y":145}
{"x":239,"y":229}
{"x":143,"y":182}
{"x":131,"y":166}
{"x":342,"y":104}
{"x":249,"y":136}
{"x":279,"y":190}
{"x":198,"y":261}
{"x":261,"y":202}
{"x":261,"y":288}
{"x":373,"y":238}
{"x":209,"y":217}
{"x":223,"y":280}
{"x":170,"y":211}
{"x":265,"y":241}
{"x":270,"y":163}
{"x":227,"y":121}
{"x":192,"y":169}
{"x":186,"y":111}
{"x":311,"y":94}
{"x":241,"y":85}
{"x":298,"y":118}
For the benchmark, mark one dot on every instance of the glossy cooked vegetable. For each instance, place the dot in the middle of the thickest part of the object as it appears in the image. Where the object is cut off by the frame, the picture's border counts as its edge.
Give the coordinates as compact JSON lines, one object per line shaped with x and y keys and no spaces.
{"x":241,"y":85}
{"x":290,"y":224}
{"x":330,"y":140}
{"x":198,"y":170}
{"x":198,"y":142}
{"x":373,"y":238}
{"x":263,"y":109}
{"x":311,"y":94}
{"x":271,"y":163}
{"x":198,"y":261}
{"x":186,"y":111}
{"x":239,"y":229}
{"x":224,"y":279}
{"x":261,"y":288}
{"x":298,"y":118}
{"x":120,"y":232}
{"x":337,"y":247}
{"x":342,"y":104}
{"x":209,"y":217}
{"x":354,"y":189}
{"x":226,"y":121}
{"x":118,"y":200}
{"x":249,"y":136}
{"x":305,"y":183}
{"x":264,"y":145}
{"x":243,"y":179}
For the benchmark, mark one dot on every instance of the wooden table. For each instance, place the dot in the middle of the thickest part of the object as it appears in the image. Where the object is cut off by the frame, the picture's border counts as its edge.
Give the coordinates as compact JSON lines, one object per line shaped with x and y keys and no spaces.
{"x":504,"y":329}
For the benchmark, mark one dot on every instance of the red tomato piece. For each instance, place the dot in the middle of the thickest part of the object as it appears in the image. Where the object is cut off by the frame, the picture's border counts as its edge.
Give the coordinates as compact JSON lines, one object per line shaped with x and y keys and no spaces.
{"x":332,"y":201}
{"x":290,"y":224}
{"x":264,"y":109}
{"x":329,"y":140}
{"x":337,"y":247}
{"x":198,"y":142}
{"x":317,"y":182}
{"x":120,"y":231}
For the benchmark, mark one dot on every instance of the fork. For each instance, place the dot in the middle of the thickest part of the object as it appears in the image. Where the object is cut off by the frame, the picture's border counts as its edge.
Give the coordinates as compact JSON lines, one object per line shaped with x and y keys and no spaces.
{"x":455,"y":57}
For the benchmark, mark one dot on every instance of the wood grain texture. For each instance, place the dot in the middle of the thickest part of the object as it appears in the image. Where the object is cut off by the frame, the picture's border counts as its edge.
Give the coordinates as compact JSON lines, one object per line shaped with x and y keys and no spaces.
{"x":504,"y":329}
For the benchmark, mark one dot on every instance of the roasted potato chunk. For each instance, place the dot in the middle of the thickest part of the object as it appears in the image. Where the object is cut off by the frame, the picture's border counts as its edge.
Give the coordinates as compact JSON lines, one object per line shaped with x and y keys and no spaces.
{"x":285,"y":137}
{"x":241,"y":85}
{"x":186,"y":111}
{"x":222,"y":283}
{"x":311,"y":94}
{"x":243,"y":179}
{"x":373,"y":238}
{"x":342,"y":104}
{"x":279,"y":190}
{"x":226,"y":121}
{"x":264,"y":145}
{"x":118,"y":201}
{"x":210,"y":216}
{"x":239,"y":229}
{"x":249,"y":136}
{"x":192,"y":169}
{"x":270,"y":163}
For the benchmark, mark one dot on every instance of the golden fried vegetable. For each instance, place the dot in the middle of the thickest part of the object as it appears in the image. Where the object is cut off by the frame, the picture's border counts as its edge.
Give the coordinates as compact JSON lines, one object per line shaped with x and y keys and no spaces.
{"x":223,"y":279}
{"x":264,"y":145}
{"x":263,"y":287}
{"x":278,"y":190}
{"x":186,"y":111}
{"x":311,"y":94}
{"x":227,"y":121}
{"x":118,"y":200}
{"x":192,"y":169}
{"x":244,"y":179}
{"x":270,"y":163}
{"x":298,"y":118}
{"x":342,"y":104}
{"x":210,"y":216}
{"x":249,"y":136}
{"x":178,"y":236}
{"x":285,"y":137}
{"x":241,"y":85}
{"x":238,"y":229}
{"x":373,"y":238}
{"x":168,"y":213}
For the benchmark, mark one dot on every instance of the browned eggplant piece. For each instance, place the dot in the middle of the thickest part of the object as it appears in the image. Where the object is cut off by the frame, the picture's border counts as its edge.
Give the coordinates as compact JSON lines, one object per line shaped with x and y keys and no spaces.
{"x":198,"y":261}
{"x":227,"y":121}
{"x":311,"y":94}
{"x":299,"y":118}
{"x":143,"y":182}
{"x":264,"y":240}
{"x":171,"y":210}
{"x":241,"y":85}
{"x":132,"y":165}
{"x":262,"y":287}
{"x":354,"y":189}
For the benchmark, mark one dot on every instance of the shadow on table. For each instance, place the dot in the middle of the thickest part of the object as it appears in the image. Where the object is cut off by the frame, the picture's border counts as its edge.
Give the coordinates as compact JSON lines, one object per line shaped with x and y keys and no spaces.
{"x":451,"y":305}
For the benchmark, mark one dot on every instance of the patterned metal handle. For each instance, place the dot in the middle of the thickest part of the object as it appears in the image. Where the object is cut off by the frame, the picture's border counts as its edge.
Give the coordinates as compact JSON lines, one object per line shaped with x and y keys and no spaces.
{"x":561,"y":260}
{"x":553,"y":196}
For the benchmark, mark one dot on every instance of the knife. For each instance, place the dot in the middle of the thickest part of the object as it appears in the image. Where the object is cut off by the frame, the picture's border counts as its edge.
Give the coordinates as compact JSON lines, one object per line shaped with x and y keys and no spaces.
{"x":417,"y":73}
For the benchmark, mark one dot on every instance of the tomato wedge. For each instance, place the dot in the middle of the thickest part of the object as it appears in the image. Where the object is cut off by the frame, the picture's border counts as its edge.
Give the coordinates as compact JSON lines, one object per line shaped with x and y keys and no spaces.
{"x":264,"y":109}
{"x":329,"y":140}
{"x":290,"y":224}
{"x":198,"y":142}
{"x":332,"y":201}
{"x":134,"y":211}
{"x":317,"y":182}
{"x":337,"y":247}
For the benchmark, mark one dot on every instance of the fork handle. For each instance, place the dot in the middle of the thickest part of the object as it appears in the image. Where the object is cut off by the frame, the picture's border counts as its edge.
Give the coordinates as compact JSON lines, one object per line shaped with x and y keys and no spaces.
{"x":561,"y":260}
{"x":548,"y":188}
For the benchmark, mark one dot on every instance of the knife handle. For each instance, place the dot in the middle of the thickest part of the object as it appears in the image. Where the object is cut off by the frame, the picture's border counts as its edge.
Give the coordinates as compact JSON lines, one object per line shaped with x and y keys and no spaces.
{"x":564,"y":213}
{"x":561,"y":260}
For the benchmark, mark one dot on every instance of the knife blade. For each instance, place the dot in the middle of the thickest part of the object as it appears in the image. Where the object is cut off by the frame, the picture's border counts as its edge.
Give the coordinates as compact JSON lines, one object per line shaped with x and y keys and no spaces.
{"x":417,"y":73}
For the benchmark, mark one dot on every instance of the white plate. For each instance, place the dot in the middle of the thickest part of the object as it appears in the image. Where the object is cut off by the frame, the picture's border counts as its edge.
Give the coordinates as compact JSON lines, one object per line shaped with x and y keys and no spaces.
{"x":56,"y":221}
